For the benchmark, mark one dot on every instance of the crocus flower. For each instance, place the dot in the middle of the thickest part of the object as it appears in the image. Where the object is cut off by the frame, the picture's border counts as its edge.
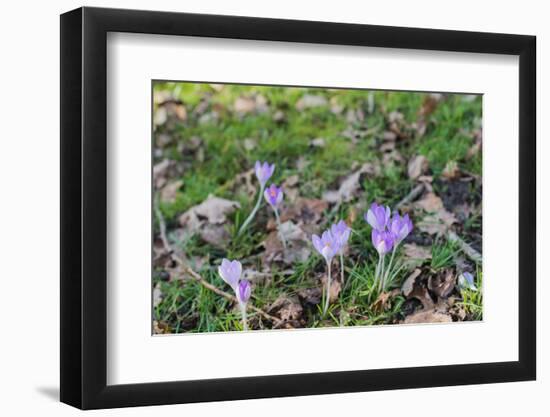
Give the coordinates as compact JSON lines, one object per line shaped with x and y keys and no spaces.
{"x":382,"y":241}
{"x":326,"y":245}
{"x":400,"y":227}
{"x":273,"y":195}
{"x":230,"y":271}
{"x":341,"y":232}
{"x":264,"y":171}
{"x":378,"y":216}
{"x":244,"y":291}
{"x":466,"y":280}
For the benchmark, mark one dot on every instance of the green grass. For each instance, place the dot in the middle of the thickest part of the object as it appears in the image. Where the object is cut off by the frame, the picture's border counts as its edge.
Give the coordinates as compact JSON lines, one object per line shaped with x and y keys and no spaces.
{"x":447,"y":137}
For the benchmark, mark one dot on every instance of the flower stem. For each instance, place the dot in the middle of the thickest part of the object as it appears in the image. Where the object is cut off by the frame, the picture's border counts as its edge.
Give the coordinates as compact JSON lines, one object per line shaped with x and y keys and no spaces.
{"x":243,"y":317}
{"x":381,"y":278}
{"x":277,"y":218}
{"x":253,"y":213}
{"x":377,"y":272}
{"x":388,"y":271}
{"x":328,"y":291}
{"x":342,"y":269}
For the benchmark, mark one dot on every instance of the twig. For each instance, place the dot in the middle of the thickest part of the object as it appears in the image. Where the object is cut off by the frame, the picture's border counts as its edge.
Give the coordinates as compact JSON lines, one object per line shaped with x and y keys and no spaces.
{"x":473,"y":254}
{"x":187,"y":269}
{"x":413,"y":195}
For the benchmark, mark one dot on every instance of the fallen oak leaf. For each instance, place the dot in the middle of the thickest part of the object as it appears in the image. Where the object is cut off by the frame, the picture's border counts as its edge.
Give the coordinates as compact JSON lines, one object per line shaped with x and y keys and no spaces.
{"x":430,"y":203}
{"x":208,"y":219}
{"x":288,"y":308}
{"x":430,"y":316}
{"x":417,"y":166}
{"x":438,"y":223}
{"x":309,"y":101}
{"x":417,"y":253}
{"x":408,"y":284}
{"x":442,"y":284}
{"x":351,"y":184}
{"x":169,"y":191}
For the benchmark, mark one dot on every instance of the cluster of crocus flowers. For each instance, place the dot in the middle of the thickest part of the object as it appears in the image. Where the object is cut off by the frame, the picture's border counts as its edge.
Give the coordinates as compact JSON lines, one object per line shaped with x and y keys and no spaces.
{"x":263,"y":171}
{"x":387,"y":233}
{"x":332,"y":242}
{"x":230,"y":272}
{"x":274,"y":196}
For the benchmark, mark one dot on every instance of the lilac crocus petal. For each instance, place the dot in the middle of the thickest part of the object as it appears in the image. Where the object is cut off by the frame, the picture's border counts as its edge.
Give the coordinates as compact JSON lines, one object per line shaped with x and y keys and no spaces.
{"x":230,"y":271}
{"x":244,"y":291}
{"x":341,"y":232}
{"x":382,"y":241}
{"x":466,"y":280}
{"x":378,"y":216}
{"x":326,"y":245}
{"x":400,"y":227}
{"x":273,"y":195}
{"x":264,"y":171}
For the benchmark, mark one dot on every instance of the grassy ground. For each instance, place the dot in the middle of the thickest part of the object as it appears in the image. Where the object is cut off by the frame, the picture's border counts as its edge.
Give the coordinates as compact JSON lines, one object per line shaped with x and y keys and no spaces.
{"x":210,"y":138}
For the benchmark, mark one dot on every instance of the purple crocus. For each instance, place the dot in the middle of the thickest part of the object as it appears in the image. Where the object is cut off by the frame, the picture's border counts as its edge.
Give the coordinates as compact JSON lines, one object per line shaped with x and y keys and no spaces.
{"x":264,"y":171}
{"x":230,"y":271}
{"x":341,"y":232}
{"x":466,"y":281}
{"x":326,"y":245}
{"x":400,"y":227}
{"x":273,"y":195}
{"x":382,"y":241}
{"x":244,"y":291}
{"x":378,"y":216}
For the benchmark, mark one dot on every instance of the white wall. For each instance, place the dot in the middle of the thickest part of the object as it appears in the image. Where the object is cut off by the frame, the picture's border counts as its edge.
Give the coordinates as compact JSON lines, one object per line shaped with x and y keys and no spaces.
{"x":29,"y":238}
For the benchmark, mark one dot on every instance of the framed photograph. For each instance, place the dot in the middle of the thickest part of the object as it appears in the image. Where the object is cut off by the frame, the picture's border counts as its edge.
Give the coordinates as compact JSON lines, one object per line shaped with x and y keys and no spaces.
{"x":257,"y":208}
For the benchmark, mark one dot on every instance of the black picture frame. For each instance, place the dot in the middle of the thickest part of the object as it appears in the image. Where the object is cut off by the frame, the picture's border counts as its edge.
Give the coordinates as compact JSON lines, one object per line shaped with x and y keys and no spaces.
{"x":84,"y":207}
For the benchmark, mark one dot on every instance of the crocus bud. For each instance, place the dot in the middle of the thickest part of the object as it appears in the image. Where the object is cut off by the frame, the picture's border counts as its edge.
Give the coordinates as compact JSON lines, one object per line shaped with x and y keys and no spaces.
{"x":264,"y":171}
{"x":273,"y":195}
{"x":244,"y":291}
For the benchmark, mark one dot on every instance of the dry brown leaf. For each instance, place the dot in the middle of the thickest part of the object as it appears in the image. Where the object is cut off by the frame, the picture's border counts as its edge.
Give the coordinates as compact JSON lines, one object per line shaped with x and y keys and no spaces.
{"x":335,"y":287}
{"x":408,"y":285}
{"x":157,"y":296}
{"x":298,"y":247}
{"x":430,"y":203}
{"x":304,"y":211}
{"x":169,"y":191}
{"x":442,"y":284}
{"x":311,"y":295}
{"x":213,"y":210}
{"x":207,"y":219}
{"x":415,"y":252}
{"x":288,"y":308}
{"x":290,"y":188}
{"x":249,"y":144}
{"x":422,"y":295}
{"x":438,"y":223}
{"x":309,"y":101}
{"x":279,"y":116}
{"x":317,"y":143}
{"x":162,"y":171}
{"x":351,"y":184}
{"x":417,"y":166}
{"x":430,"y":316}
{"x":244,"y":105}
{"x":383,"y":302}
